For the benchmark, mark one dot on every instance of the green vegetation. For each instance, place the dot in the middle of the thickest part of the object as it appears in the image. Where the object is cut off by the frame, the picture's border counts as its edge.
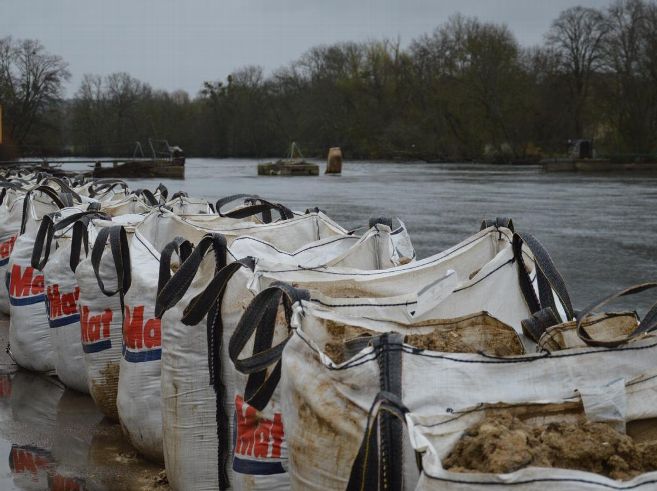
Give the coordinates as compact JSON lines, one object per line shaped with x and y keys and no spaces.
{"x":466,"y":91}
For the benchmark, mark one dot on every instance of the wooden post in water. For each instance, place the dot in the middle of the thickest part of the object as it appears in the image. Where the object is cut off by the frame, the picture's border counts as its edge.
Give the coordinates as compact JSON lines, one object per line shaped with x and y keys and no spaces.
{"x":334,"y":163}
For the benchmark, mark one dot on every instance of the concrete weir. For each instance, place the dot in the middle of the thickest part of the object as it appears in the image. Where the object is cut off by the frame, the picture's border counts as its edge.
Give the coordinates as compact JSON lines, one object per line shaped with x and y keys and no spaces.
{"x":289,"y":167}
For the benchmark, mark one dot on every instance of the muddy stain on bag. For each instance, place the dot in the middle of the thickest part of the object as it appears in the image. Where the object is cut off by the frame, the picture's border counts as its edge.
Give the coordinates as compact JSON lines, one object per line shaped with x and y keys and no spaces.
{"x":104,"y":392}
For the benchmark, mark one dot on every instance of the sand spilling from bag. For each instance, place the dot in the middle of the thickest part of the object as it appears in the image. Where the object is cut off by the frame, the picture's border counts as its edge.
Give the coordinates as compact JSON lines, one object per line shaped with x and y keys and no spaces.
{"x":502,"y":443}
{"x":478,"y":333}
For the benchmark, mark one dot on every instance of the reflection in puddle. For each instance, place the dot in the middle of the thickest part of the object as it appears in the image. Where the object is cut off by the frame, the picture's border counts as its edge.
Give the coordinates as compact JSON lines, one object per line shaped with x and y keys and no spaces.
{"x":52,"y":438}
{"x":5,"y":385}
{"x":32,"y":468}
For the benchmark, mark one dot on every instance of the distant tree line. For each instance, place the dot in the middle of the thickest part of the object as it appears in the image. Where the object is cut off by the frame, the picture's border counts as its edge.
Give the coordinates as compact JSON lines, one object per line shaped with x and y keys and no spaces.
{"x":468,"y":90}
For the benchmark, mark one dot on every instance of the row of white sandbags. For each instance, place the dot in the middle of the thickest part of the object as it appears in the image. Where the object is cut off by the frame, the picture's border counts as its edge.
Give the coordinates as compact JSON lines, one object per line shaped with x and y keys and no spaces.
{"x":296,"y":417}
{"x":395,"y":302}
{"x":421,"y":290}
{"x":100,"y":315}
{"x":324,"y":403}
{"x":607,"y":369}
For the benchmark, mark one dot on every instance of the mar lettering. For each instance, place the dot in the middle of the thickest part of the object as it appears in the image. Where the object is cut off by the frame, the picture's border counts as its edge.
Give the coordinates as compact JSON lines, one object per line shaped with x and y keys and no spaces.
{"x":62,"y":308}
{"x":26,"y":286}
{"x":142,"y":338}
{"x":5,"y":249}
{"x":258,"y":441}
{"x":28,"y":459}
{"x":95,"y":330}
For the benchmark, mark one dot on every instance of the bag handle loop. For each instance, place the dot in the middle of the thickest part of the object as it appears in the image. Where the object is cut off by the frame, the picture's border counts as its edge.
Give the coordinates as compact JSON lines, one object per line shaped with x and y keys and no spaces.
{"x":118,"y":240}
{"x":647,"y":324}
{"x":548,"y":277}
{"x":370,"y":469}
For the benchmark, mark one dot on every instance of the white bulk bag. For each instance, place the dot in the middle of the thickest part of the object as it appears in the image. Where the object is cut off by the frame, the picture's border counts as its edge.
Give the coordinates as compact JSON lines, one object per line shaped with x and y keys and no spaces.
{"x":128,"y":205}
{"x":471,"y":255}
{"x":189,"y":402}
{"x":325,"y":403}
{"x":139,"y":393}
{"x":62,"y":293}
{"x":181,"y":204}
{"x":104,"y":190}
{"x":433,"y":436}
{"x":309,"y":227}
{"x":380,"y":248}
{"x":11,"y":212}
{"x":101,"y":316}
{"x":493,"y":270}
{"x":425,"y":290}
{"x":29,"y":330}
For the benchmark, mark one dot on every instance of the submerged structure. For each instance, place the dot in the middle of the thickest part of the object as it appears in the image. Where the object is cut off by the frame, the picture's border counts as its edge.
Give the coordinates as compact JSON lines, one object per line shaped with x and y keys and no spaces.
{"x":295,"y":165}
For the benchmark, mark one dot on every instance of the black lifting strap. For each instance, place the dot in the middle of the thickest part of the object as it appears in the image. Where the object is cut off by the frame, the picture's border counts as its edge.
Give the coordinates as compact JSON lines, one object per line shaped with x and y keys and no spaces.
{"x":548,"y":278}
{"x":202,"y":303}
{"x":179,"y":194}
{"x":387,"y":221}
{"x":170,"y":292}
{"x":151,"y":200}
{"x":221,"y":202}
{"x":389,"y":359}
{"x":647,"y":324}
{"x":43,"y":238}
{"x":164,"y":192}
{"x":104,"y":186}
{"x":8,"y":185}
{"x":183,"y":249}
{"x":258,"y":205}
{"x":214,"y":334}
{"x":118,"y":240}
{"x":79,"y":237}
{"x":368,"y":472}
{"x":94,"y":206}
{"x":498,"y":222}
{"x":534,"y":326}
{"x":259,"y":319}
{"x":51,"y":193}
{"x":47,"y":229}
{"x":64,"y":188}
{"x":67,"y":199}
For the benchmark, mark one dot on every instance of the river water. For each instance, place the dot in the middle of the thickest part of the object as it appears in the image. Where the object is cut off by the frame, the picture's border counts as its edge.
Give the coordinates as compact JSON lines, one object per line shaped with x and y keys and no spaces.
{"x":601,"y":232}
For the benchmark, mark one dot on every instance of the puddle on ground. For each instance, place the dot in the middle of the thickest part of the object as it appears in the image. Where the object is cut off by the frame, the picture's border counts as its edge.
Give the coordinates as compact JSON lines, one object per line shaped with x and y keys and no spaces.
{"x":53,"y":438}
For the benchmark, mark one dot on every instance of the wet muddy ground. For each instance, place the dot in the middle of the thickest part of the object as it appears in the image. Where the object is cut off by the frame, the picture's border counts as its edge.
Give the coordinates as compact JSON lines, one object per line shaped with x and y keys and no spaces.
{"x":53,"y":438}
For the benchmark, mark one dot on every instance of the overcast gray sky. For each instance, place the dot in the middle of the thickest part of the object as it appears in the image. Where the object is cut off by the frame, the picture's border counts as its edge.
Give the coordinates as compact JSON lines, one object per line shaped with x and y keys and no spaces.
{"x":178,"y":44}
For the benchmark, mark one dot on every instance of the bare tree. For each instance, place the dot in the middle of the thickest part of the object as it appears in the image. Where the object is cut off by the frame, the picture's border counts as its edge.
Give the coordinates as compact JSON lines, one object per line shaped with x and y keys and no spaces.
{"x":578,"y":36}
{"x":31,"y":79}
{"x":89,"y":114}
{"x":628,"y":55}
{"x":124,"y":93}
